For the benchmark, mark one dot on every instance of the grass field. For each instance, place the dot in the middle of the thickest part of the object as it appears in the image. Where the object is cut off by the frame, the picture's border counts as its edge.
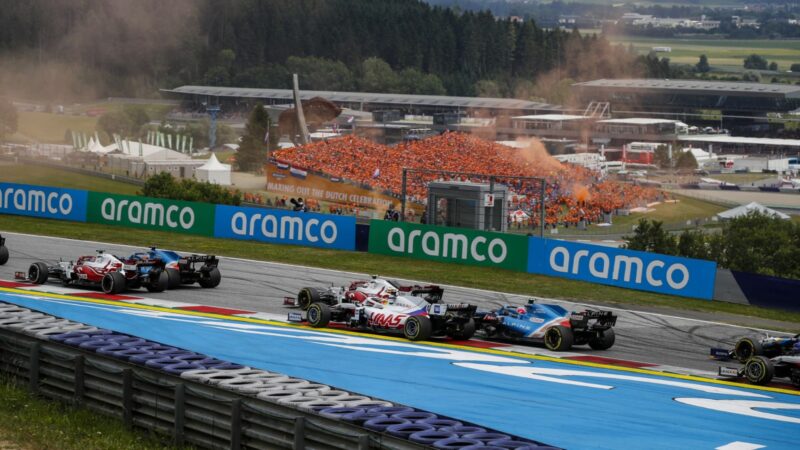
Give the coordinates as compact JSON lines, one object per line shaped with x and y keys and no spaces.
{"x":476,"y":277}
{"x":47,"y":176}
{"x":742,"y":178}
{"x":51,"y":128}
{"x":723,"y":54}
{"x":30,"y":423}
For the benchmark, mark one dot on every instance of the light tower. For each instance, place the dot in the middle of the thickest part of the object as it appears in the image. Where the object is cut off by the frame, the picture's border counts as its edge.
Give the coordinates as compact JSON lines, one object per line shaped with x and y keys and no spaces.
{"x":212,"y":129}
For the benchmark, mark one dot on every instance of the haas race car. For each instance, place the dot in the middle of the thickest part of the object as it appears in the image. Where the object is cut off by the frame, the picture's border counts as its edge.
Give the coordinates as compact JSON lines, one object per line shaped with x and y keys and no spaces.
{"x":380,"y":305}
{"x":111,"y":273}
{"x":551,"y":325}
{"x":763,"y":359}
{"x":200,"y":269}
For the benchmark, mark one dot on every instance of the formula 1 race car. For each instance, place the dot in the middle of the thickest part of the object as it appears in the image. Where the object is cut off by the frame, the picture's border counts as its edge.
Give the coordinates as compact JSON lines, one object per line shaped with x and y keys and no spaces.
{"x":552,"y":325}
{"x":3,"y":251}
{"x":763,"y":359}
{"x":111,"y":273}
{"x":184,"y":269}
{"x":358,"y":291}
{"x":416,"y":318}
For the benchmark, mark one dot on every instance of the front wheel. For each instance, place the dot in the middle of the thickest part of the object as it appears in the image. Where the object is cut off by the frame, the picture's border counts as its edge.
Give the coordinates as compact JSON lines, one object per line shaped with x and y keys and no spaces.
{"x":747,"y":348}
{"x":464,"y":331}
{"x":603,"y":341}
{"x":37,"y":273}
{"x":759,"y":370}
{"x":558,"y":338}
{"x":212,"y":278}
{"x":113,"y":283}
{"x":319,"y":315}
{"x":418,"y":328}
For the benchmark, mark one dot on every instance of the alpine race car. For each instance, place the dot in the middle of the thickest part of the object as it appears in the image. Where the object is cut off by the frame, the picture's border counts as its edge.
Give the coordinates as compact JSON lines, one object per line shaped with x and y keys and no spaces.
{"x":551,"y":325}
{"x":413,"y":316}
{"x":763,"y":359}
{"x":112,"y":274}
{"x":201,"y":269}
{"x":3,"y":251}
{"x":358,"y":291}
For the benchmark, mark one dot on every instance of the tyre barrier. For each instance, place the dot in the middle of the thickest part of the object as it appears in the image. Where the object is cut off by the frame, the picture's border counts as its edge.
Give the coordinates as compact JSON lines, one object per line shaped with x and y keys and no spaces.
{"x":400,"y":421}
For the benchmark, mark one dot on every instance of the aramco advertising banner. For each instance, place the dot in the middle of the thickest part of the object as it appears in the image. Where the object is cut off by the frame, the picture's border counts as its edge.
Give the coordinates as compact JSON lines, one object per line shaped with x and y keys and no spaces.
{"x":151,"y":213}
{"x":43,"y":201}
{"x":286,"y":227}
{"x":622,"y":268}
{"x":457,"y":245}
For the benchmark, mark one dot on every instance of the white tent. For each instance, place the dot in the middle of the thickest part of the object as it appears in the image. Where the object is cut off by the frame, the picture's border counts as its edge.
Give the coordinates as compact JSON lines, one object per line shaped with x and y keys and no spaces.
{"x":214,"y":172}
{"x":519,"y":215}
{"x":753,"y":206}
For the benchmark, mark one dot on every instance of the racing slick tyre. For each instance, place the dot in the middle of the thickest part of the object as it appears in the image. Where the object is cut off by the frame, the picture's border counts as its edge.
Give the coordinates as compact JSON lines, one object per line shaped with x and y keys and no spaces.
{"x":211,"y":278}
{"x":307,"y":296}
{"x":759,"y":370}
{"x":37,"y":273}
{"x":604,"y":341}
{"x":174,"y":276}
{"x":418,"y":328}
{"x":160,"y":283}
{"x":747,"y":348}
{"x":794,"y":377}
{"x":319,"y":314}
{"x":113,"y":283}
{"x":465,"y":331}
{"x":3,"y":254}
{"x":558,"y":338}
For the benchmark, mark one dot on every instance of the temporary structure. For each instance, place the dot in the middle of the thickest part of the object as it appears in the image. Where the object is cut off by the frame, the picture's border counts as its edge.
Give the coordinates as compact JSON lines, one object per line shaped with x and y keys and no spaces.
{"x":214,"y":172}
{"x":753,"y":206}
{"x":519,"y":215}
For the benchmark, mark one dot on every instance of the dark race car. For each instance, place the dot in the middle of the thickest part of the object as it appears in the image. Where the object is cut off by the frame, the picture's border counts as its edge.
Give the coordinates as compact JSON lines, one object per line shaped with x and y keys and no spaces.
{"x":200,"y":269}
{"x":763,"y":358}
{"x":551,"y":325}
{"x":3,"y":251}
{"x":112,"y":274}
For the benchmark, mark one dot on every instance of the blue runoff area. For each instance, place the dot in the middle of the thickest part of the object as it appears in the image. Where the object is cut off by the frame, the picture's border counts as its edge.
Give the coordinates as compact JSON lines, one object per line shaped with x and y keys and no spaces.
{"x":568,"y":405}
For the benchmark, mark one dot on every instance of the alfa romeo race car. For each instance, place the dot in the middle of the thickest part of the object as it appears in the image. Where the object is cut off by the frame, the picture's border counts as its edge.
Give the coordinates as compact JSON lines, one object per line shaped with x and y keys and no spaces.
{"x":184,"y":269}
{"x":111,"y":273}
{"x":763,"y":359}
{"x":413,"y":316}
{"x":358,"y":291}
{"x":551,"y":325}
{"x":3,"y":251}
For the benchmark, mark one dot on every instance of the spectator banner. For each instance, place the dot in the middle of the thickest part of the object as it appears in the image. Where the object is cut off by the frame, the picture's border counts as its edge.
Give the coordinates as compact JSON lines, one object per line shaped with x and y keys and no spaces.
{"x":43,"y":201}
{"x":151,"y":213}
{"x":622,"y":268}
{"x":458,"y":245}
{"x":286,"y":227}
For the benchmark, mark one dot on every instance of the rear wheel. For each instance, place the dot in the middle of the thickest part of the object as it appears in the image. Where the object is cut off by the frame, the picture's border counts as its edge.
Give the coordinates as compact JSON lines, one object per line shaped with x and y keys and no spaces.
{"x":307,"y":296}
{"x":603,"y":341}
{"x":759,"y":370}
{"x":211,"y":278}
{"x":174,"y":276}
{"x":418,"y":328}
{"x":747,"y":348}
{"x":38,"y":273}
{"x":159,"y":282}
{"x":464,"y":331}
{"x":558,"y":338}
{"x":3,"y":255}
{"x":113,"y":283}
{"x":319,"y":315}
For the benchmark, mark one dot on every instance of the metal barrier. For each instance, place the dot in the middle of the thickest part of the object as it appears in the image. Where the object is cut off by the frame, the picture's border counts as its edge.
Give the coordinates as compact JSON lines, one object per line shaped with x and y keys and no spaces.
{"x":192,"y":413}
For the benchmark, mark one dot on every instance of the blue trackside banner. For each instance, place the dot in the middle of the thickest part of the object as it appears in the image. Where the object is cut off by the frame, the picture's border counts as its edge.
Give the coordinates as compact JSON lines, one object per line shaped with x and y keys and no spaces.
{"x":285,"y":227}
{"x":43,"y":201}
{"x":622,"y":268}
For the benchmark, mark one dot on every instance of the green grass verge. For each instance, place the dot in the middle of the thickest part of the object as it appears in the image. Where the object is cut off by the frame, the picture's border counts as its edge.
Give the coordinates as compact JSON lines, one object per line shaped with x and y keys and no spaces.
{"x":476,"y":277}
{"x":31,"y":423}
{"x":743,"y":178}
{"x":49,"y":176}
{"x":52,"y":128}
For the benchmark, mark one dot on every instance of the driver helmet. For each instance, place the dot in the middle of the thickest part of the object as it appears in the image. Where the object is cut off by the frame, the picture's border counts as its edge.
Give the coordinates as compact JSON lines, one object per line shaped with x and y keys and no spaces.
{"x":521,"y":310}
{"x":796,"y":347}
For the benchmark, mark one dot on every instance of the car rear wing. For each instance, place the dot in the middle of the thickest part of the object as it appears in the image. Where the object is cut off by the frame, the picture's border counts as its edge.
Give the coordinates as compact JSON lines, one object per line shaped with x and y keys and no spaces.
{"x":603,"y":319}
{"x":210,"y":260}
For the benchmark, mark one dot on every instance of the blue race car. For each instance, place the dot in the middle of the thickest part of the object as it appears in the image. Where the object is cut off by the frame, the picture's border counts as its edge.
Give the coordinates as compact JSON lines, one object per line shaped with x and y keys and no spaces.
{"x":184,"y":269}
{"x":551,"y":325}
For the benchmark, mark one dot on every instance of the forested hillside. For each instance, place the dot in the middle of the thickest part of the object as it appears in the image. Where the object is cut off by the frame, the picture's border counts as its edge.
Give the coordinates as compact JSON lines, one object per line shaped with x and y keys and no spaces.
{"x":79,"y":48}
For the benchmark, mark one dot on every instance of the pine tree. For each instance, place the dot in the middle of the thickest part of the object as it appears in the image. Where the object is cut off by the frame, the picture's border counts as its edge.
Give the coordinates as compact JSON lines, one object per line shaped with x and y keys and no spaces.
{"x":253,"y":150}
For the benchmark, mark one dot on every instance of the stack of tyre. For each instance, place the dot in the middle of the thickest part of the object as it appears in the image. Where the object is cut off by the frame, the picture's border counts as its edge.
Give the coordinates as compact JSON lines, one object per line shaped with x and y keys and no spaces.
{"x":378,"y":415}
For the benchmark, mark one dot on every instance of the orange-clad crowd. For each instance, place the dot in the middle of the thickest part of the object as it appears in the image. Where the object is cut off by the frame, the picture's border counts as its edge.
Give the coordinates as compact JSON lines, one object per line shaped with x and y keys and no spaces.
{"x":573,"y":193}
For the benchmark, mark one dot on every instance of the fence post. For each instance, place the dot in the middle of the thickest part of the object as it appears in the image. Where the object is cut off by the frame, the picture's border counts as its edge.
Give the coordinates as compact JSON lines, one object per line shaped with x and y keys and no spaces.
{"x":180,"y":413}
{"x":79,"y":378}
{"x":33,"y":370}
{"x":299,"y":433}
{"x":236,"y":424}
{"x":127,"y":397}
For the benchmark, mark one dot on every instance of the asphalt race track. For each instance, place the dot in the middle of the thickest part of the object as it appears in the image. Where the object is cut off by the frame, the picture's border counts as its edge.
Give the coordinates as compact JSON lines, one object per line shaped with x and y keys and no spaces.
{"x":261,"y":286}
